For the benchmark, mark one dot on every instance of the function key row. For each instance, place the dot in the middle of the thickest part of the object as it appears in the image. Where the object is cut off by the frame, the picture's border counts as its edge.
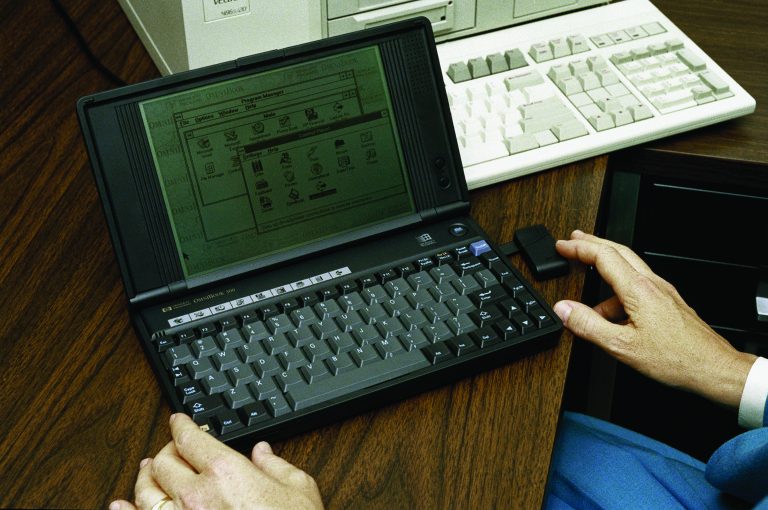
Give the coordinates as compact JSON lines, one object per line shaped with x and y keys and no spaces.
{"x":461,"y":261}
{"x":627,"y":34}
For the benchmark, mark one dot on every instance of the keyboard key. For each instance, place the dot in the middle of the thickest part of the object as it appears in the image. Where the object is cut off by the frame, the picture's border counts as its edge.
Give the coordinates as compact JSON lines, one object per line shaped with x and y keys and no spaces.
{"x":325,"y":329}
{"x":437,"y":332}
{"x":341,"y":342}
{"x":178,"y":355}
{"x":250,"y":352}
{"x":413,"y":340}
{"x":389,"y":327}
{"x":291,"y":358}
{"x":434,"y":312}
{"x":339,"y":364}
{"x":276,"y":343}
{"x":327,"y":309}
{"x":205,"y":406}
{"x":413,"y":319}
{"x":506,"y":329}
{"x":351,"y":302}
{"x":263,"y":388}
{"x":265,"y":365}
{"x":394,"y":307}
{"x":314,"y":372}
{"x":347,"y":321}
{"x":300,"y":336}
{"x":359,"y":378}
{"x":277,"y":405}
{"x":459,"y":304}
{"x":497,"y":63}
{"x":254,"y":413}
{"x":418,"y":299}
{"x":241,"y":375}
{"x":488,"y":296}
{"x":255,"y":331}
{"x":375,"y":294}
{"x":303,"y":316}
{"x":437,"y":353}
{"x":317,"y":350}
{"x":515,"y":59}
{"x":237,"y":397}
{"x":227,"y":421}
{"x":215,"y":383}
{"x":204,"y":346}
{"x":459,"y":72}
{"x":287,"y":379}
{"x":461,"y":345}
{"x":364,"y":355}
{"x":164,"y":342}
{"x":365,"y":333}
{"x":199,"y":368}
{"x":225,"y":360}
{"x":179,"y":375}
{"x":540,"y":317}
{"x":388,"y":347}
{"x":279,"y":323}
{"x":189,"y":392}
{"x":485,"y":337}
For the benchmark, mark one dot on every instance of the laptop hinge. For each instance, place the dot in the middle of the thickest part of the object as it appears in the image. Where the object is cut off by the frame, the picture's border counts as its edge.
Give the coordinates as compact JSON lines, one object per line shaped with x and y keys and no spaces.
{"x":447,"y":211}
{"x":162,"y":293}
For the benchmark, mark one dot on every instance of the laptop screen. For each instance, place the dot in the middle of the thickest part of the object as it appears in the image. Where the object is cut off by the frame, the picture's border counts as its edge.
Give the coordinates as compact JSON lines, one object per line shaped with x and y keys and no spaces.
{"x":261,"y":164}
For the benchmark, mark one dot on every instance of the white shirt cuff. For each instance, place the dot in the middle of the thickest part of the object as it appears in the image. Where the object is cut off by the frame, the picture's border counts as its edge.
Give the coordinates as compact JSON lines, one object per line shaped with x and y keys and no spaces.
{"x":754,"y":396}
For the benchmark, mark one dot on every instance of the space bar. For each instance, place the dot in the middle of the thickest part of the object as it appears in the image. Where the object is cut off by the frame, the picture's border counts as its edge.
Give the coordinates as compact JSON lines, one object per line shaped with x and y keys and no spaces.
{"x":358,"y":378}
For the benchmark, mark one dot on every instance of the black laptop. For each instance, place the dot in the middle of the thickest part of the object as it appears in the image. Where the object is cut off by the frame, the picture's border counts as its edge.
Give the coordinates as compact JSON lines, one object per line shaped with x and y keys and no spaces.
{"x":293,"y":236}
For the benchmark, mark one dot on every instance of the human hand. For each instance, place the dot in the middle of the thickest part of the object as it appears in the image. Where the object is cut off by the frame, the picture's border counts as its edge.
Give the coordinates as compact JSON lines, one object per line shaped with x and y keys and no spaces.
{"x":195,"y":470}
{"x":648,"y":326}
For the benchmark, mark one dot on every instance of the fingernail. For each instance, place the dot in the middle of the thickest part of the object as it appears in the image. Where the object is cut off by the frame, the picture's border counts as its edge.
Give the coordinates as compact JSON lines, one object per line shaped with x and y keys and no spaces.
{"x":173,"y":417}
{"x":264,"y":447}
{"x":563,"y":310}
{"x":144,"y":462}
{"x":115,"y":505}
{"x":577,"y":232}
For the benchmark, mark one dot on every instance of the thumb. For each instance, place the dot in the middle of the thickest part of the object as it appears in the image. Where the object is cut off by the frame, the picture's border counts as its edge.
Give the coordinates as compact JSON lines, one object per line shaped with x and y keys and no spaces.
{"x":586,"y":323}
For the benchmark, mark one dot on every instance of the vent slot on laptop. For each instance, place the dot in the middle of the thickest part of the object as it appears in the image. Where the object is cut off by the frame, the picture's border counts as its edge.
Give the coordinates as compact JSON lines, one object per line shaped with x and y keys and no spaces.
{"x":150,"y":195}
{"x":407,"y":76}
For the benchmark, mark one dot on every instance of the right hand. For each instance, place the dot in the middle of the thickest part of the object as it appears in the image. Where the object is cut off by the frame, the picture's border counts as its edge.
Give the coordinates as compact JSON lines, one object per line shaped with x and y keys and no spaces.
{"x":648,"y":326}
{"x":195,"y":470}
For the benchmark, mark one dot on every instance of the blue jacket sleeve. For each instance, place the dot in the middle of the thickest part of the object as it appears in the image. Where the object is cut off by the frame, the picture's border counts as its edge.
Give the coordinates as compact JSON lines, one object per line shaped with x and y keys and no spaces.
{"x":740,"y":467}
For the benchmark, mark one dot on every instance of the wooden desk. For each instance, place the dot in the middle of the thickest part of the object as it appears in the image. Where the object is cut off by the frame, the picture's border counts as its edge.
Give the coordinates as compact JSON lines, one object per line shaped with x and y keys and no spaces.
{"x":79,"y":405}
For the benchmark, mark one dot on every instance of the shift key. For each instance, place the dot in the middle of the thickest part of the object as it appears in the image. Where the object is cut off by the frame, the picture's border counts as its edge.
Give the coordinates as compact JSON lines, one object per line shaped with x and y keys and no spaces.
{"x":307,"y":395}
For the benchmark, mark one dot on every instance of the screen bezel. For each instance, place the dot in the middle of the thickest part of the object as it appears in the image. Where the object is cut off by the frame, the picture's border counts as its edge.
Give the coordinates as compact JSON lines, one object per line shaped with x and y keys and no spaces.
{"x":129,"y":223}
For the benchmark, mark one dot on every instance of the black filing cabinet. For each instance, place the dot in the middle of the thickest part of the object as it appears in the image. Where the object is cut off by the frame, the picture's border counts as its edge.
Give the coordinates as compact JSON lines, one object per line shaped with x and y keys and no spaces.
{"x":702,"y":224}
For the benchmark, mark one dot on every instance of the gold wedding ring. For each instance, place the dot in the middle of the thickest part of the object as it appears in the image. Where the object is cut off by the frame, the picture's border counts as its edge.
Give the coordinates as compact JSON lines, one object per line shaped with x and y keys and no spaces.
{"x":160,"y":504}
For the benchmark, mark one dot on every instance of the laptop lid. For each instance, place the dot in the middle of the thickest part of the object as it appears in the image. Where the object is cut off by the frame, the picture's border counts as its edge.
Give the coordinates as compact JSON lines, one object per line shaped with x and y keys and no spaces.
{"x":222,"y":171}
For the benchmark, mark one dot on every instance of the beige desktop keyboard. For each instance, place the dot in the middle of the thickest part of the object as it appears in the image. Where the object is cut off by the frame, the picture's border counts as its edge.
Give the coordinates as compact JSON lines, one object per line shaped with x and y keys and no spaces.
{"x":531,"y":97}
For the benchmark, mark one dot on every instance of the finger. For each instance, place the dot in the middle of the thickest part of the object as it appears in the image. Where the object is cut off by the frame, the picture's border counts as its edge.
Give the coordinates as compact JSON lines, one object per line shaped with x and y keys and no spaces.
{"x":611,"y":265}
{"x":586,"y":323}
{"x":171,"y":472}
{"x":259,"y":448}
{"x":274,"y":466}
{"x":626,"y":252}
{"x":121,"y":504}
{"x":196,"y":447}
{"x":147,"y":491}
{"x":611,"y":309}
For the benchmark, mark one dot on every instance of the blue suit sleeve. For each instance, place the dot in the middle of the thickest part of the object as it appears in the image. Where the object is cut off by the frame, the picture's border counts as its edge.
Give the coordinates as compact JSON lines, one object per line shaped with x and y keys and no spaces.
{"x":740,"y":467}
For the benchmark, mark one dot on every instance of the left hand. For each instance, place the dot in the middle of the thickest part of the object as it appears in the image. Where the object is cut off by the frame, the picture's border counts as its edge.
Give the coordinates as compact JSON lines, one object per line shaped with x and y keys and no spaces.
{"x":195,"y":470}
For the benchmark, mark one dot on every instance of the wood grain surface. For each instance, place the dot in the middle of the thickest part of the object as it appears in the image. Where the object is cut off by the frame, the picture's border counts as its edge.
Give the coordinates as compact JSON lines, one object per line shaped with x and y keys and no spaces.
{"x":79,"y":406}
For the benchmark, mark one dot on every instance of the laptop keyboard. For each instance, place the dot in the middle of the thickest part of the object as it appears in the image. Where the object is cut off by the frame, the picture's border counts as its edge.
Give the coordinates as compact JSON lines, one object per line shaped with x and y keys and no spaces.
{"x":300,"y":350}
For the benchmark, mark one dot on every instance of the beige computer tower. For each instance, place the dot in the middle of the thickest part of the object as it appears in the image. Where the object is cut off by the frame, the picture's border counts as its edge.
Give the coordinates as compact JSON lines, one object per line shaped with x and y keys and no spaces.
{"x":187,"y":34}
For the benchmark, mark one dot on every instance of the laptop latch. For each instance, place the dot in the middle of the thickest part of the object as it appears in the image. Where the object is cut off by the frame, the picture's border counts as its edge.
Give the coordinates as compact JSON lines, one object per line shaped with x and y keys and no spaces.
{"x":161,"y":293}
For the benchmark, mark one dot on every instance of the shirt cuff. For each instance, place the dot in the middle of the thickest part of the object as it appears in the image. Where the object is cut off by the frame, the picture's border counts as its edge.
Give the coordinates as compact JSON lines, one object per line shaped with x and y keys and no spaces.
{"x":752,"y":408}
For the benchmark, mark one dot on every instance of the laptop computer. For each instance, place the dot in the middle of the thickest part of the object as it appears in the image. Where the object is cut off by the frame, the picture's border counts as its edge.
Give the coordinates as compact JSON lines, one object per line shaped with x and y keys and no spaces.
{"x":293,"y":237}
